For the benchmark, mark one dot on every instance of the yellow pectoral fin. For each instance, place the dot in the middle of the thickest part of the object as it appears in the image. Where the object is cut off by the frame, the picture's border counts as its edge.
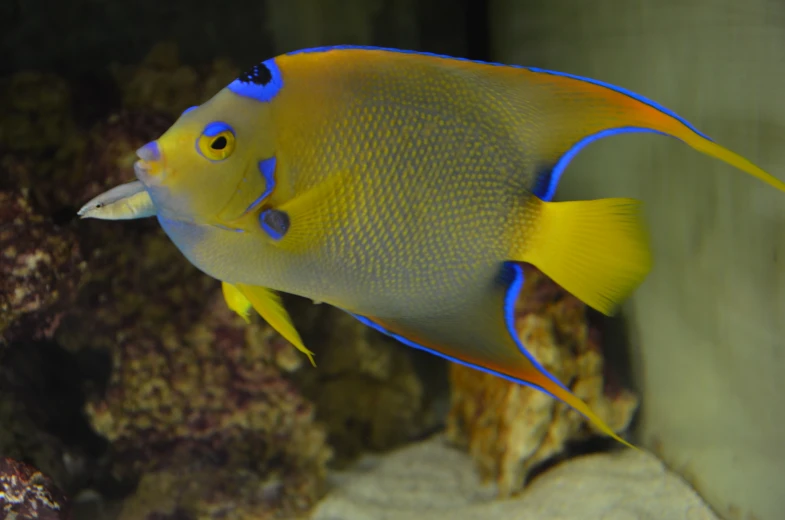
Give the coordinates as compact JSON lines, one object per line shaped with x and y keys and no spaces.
{"x":236,"y":301}
{"x":314,"y":212}
{"x":598,"y":250}
{"x":269,"y":306}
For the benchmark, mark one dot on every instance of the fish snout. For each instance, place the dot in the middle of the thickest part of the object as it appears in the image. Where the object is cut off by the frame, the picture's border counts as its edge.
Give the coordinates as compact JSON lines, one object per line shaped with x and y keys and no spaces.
{"x":149,"y":152}
{"x":149,"y":167}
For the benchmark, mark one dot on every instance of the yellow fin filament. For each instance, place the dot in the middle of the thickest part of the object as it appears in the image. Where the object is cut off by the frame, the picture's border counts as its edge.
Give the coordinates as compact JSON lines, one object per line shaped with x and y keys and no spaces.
{"x":575,"y":402}
{"x":270,"y":307}
{"x":597,"y":250}
{"x":236,"y":301}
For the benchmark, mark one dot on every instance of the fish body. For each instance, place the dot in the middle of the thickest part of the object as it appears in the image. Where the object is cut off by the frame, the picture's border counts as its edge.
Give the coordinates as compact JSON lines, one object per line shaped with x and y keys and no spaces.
{"x":405,"y":189}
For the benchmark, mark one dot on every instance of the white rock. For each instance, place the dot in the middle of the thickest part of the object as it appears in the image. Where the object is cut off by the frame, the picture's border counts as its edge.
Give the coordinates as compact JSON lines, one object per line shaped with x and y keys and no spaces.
{"x":431,"y":481}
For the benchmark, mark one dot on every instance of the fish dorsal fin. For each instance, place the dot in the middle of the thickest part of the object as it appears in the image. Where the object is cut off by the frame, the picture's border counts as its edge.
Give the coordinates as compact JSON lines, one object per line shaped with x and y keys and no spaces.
{"x":241,"y":297}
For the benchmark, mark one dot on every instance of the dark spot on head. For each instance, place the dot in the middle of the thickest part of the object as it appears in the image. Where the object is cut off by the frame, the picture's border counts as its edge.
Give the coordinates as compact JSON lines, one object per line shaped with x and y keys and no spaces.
{"x":258,"y":75}
{"x":218,"y":144}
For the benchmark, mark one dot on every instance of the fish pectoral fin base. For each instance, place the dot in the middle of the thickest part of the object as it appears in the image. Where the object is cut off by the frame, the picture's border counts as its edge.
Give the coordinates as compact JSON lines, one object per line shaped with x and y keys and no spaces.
{"x":598,"y":250}
{"x":506,"y":359}
{"x":314,"y":212}
{"x":241,"y":298}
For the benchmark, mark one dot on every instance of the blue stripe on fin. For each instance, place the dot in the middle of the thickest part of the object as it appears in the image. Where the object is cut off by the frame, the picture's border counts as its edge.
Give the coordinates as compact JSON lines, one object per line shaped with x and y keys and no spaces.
{"x":262,"y":82}
{"x":547,"y":182}
{"x":542,"y":184}
{"x":514,"y":271}
{"x":615,"y":88}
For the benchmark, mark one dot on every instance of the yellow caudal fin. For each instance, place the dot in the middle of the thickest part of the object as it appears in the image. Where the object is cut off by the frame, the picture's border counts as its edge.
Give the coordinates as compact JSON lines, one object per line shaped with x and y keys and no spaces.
{"x":270,"y":307}
{"x":598,"y":250}
{"x":236,"y":301}
{"x":582,"y":109}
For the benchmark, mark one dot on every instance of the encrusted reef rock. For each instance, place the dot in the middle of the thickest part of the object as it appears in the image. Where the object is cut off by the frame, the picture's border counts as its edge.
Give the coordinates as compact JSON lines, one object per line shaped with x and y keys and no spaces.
{"x":510,"y":428}
{"x":365,"y":386}
{"x":28,"y":494}
{"x":41,"y":268}
{"x":204,"y":414}
{"x":136,"y":274}
{"x":194,"y":404}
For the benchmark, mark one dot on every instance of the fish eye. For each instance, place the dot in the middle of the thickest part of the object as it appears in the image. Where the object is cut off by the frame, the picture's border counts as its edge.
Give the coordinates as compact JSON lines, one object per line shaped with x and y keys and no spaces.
{"x":219,"y":143}
{"x":216,"y":142}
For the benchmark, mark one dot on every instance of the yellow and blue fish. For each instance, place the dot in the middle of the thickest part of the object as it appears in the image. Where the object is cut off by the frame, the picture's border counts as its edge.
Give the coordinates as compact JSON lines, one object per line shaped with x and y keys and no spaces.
{"x":404,"y":188}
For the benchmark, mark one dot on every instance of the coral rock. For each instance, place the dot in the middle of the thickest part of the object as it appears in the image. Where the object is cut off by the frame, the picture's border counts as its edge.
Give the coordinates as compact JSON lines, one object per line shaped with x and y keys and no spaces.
{"x":136,"y":273}
{"x":365,"y":387}
{"x":42,"y":269}
{"x":28,"y":494}
{"x":205,"y":412}
{"x":510,"y":428}
{"x":110,"y":151}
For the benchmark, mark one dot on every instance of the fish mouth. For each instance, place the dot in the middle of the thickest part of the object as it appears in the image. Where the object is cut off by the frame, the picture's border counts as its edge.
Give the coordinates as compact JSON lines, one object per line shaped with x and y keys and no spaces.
{"x":150,"y":167}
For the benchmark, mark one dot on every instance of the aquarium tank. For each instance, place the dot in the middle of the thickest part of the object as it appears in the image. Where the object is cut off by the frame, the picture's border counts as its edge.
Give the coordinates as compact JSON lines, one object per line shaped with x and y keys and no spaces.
{"x":392,"y":259}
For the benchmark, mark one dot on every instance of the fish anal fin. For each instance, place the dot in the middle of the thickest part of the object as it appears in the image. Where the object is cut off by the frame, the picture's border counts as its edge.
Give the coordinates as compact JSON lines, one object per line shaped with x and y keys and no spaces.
{"x":507,"y":364}
{"x":598,"y":250}
{"x":270,"y":307}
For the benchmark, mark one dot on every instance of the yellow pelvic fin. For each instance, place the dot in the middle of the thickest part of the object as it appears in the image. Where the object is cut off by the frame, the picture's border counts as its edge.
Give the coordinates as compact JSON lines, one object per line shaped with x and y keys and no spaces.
{"x":236,"y":301}
{"x":270,"y":307}
{"x":598,"y":250}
